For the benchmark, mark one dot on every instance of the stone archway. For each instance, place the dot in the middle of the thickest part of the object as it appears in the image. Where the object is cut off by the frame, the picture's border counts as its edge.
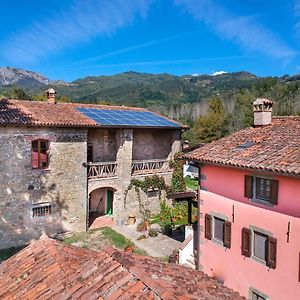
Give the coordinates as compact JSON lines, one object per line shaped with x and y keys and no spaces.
{"x":101,"y":205}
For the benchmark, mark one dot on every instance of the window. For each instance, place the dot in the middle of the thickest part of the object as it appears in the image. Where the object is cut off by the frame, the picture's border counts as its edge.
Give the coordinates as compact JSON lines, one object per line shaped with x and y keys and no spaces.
{"x":219,"y":226}
{"x":261,"y":190}
{"x":218,"y":229}
{"x":39,"y":154}
{"x":41,"y":209}
{"x":152,"y":193}
{"x":260,"y":246}
{"x":256,"y":296}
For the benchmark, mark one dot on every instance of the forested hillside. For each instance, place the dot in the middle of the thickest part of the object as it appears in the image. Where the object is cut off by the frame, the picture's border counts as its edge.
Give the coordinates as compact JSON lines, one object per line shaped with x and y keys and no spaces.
{"x":212,"y":105}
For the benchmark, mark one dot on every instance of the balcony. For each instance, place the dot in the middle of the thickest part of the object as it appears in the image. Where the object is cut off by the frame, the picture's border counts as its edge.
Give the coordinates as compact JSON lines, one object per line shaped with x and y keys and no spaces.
{"x":99,"y":170}
{"x":145,"y":167}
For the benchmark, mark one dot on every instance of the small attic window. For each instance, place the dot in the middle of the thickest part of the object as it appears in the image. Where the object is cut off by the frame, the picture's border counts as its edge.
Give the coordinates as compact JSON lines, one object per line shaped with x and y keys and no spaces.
{"x":246,"y":145}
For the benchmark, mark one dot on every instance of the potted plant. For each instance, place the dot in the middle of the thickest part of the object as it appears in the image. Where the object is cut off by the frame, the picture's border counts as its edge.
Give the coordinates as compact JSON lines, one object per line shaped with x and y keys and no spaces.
{"x":152,"y":232}
{"x":142,"y":226}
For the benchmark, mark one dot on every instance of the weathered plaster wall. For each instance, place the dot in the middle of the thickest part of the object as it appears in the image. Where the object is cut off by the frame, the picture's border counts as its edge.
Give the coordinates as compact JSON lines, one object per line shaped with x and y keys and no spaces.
{"x":98,"y":201}
{"x":64,"y":184}
{"x":133,"y":206}
{"x":104,"y":144}
{"x":155,"y":143}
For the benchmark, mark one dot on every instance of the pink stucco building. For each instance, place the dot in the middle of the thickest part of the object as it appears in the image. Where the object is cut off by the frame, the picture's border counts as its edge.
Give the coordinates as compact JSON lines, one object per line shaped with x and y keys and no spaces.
{"x":249,"y":204}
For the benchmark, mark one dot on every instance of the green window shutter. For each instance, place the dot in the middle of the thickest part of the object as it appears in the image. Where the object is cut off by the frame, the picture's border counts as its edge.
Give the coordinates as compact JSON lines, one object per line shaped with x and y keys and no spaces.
{"x":227,"y":234}
{"x":246,"y":242}
{"x":274,"y":192}
{"x":271,"y":252}
{"x":248,"y":192}
{"x":208,"y":226}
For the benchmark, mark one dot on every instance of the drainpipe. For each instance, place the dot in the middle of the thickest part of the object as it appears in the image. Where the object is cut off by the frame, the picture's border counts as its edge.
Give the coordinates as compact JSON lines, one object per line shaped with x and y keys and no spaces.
{"x":198,"y":220}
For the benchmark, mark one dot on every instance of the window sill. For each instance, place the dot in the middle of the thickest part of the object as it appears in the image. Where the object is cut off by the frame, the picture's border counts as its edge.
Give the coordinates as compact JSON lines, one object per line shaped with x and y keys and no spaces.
{"x":218,"y":242}
{"x":261,"y":202}
{"x":40,"y":170}
{"x":262,"y":262}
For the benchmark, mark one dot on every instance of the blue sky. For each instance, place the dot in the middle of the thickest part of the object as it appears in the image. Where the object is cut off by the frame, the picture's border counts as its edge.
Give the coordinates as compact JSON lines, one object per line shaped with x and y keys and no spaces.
{"x":74,"y":38}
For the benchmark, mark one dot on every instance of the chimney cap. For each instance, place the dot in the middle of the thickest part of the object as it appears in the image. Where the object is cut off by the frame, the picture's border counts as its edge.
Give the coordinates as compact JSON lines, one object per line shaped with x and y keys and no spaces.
{"x":51,"y":91}
{"x":262,"y":101}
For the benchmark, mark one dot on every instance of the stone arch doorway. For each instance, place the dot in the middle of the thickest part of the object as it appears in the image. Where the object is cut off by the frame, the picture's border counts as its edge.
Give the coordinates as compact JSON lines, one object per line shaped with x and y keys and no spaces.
{"x":100,"y":205}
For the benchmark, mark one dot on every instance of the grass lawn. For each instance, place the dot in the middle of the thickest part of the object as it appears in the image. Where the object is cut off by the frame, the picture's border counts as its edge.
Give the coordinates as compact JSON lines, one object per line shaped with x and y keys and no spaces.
{"x":101,"y":238}
{"x":6,"y":253}
{"x":118,"y":240}
{"x":191,"y":183}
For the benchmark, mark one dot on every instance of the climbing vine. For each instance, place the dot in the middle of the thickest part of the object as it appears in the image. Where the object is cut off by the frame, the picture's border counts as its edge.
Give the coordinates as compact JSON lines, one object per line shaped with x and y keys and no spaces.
{"x":177,"y":183}
{"x":149,"y":182}
{"x":158,"y":182}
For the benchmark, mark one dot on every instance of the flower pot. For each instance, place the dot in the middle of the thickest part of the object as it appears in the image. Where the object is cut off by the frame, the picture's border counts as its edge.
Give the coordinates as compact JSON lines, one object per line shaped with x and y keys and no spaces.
{"x":131,"y":220}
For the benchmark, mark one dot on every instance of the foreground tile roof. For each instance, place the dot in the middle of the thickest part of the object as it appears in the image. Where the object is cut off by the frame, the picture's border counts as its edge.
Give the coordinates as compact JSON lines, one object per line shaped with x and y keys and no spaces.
{"x":48,"y":269}
{"x":274,"y":148}
{"x":41,"y":113}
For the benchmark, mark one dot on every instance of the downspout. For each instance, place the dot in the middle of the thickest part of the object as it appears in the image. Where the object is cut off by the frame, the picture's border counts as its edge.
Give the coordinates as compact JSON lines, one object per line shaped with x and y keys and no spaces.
{"x":198,"y":220}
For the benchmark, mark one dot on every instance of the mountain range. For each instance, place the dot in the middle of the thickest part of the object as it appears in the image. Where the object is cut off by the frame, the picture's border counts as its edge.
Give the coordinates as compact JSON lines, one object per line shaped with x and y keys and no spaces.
{"x":172,"y":95}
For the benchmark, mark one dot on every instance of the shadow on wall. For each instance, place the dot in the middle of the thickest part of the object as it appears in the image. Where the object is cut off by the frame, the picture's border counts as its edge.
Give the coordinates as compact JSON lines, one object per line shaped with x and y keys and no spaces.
{"x":38,"y":211}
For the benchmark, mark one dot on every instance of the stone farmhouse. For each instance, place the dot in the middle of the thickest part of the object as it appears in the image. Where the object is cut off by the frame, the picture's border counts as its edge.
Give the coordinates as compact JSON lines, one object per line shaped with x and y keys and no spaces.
{"x":64,"y":164}
{"x":249,"y":203}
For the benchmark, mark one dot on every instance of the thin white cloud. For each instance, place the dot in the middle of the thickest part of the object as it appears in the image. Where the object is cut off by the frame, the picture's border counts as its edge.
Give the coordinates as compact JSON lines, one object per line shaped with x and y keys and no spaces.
{"x":297,"y":14}
{"x":80,"y":22}
{"x":166,"y":62}
{"x":244,"y":31}
{"x":132,"y":48}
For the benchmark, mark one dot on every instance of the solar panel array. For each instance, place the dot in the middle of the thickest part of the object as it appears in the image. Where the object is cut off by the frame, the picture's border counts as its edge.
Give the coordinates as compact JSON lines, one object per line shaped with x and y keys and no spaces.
{"x":134,"y":118}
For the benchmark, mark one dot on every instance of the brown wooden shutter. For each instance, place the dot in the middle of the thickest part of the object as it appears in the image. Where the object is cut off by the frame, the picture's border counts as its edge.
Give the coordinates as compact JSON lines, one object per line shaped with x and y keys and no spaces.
{"x":274,"y":192}
{"x":248,"y":186}
{"x":208,"y":226}
{"x":227,"y":234}
{"x":271,"y":252}
{"x":246,"y":242}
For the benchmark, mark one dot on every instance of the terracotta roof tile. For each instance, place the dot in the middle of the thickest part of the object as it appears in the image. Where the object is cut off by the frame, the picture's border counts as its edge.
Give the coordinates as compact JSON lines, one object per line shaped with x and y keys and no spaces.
{"x":39,"y":113}
{"x":48,"y":269}
{"x":274,"y":148}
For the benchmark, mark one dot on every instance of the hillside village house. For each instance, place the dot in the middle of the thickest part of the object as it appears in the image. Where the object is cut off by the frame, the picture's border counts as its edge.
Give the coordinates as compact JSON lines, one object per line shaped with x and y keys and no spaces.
{"x":64,"y":164}
{"x":250,"y":207}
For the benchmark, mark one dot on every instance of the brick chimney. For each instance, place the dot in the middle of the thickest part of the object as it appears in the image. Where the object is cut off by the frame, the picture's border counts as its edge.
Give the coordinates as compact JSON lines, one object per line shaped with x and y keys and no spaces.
{"x":51,"y":95}
{"x":262,"y":109}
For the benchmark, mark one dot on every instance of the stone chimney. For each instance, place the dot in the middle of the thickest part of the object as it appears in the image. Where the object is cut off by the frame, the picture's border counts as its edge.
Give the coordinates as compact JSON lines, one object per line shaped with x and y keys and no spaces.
{"x":51,"y":95}
{"x":262,"y":109}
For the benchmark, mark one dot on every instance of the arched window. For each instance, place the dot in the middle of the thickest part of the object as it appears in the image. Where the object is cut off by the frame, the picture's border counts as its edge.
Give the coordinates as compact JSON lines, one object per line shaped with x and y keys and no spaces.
{"x":39,"y":154}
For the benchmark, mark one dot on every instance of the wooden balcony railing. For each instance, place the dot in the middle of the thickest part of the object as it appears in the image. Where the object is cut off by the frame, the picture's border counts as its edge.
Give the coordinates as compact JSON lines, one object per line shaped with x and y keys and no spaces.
{"x":141,"y":167}
{"x":99,"y":170}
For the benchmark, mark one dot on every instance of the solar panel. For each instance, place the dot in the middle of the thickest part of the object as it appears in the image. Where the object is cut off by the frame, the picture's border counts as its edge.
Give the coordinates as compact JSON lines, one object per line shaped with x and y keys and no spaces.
{"x":109,"y":117}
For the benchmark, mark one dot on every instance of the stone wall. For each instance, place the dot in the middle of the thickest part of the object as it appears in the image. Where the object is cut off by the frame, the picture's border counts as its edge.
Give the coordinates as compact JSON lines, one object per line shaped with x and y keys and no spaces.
{"x":137,"y":144}
{"x":150,"y":202}
{"x":104,"y":143}
{"x":63,"y":185}
{"x":151,"y":144}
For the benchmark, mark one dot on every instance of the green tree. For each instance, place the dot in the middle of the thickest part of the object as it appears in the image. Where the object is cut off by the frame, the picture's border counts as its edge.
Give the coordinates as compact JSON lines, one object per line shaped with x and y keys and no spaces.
{"x":213,"y":125}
